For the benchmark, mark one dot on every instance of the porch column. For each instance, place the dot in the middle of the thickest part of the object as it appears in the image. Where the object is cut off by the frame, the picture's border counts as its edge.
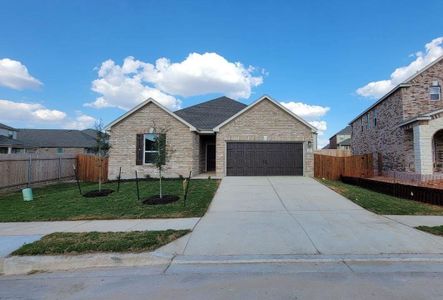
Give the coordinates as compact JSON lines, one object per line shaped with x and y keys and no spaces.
{"x":423,"y":150}
{"x":9,"y":150}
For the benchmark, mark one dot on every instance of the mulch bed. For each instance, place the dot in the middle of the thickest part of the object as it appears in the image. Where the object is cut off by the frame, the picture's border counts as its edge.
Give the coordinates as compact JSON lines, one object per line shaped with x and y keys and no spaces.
{"x":97,"y":193}
{"x":154,"y":200}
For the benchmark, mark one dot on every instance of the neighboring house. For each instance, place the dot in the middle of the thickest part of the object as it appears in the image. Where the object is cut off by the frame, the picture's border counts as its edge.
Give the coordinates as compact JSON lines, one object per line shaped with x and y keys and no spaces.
{"x":404,"y":129}
{"x":219,"y":137}
{"x":341,"y":140}
{"x":8,"y":141}
{"x":57,"y":141}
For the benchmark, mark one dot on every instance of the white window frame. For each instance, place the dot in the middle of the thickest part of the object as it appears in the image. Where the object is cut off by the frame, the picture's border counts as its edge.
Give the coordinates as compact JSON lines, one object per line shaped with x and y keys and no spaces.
{"x":431,"y":93}
{"x":148,"y":151}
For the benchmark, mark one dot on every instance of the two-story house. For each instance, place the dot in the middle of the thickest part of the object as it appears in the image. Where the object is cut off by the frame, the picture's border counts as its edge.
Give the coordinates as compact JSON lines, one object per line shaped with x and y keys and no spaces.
{"x":404,"y":129}
{"x":341,"y":140}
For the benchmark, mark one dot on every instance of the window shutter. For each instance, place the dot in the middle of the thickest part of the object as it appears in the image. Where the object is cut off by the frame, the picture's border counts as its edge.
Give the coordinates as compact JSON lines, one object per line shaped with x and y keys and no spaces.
{"x":139,"y":150}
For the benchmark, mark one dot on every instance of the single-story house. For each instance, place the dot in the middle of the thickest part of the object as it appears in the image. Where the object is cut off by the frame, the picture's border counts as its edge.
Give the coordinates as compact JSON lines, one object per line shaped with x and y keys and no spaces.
{"x":404,"y":128}
{"x":57,"y":141}
{"x":9,"y":142}
{"x":219,"y":137}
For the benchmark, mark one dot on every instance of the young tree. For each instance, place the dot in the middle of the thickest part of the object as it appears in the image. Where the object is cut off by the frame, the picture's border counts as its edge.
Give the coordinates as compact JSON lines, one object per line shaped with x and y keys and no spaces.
{"x":163,"y":153}
{"x":101,"y":148}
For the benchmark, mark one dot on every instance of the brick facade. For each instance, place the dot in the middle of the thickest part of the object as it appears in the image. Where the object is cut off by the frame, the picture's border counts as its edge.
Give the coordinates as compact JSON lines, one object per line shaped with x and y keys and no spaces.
{"x":264,"y":122}
{"x":387,"y":137}
{"x":181,"y":141}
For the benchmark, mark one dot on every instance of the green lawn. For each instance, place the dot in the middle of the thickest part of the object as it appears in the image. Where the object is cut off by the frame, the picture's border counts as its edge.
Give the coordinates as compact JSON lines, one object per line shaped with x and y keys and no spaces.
{"x":380,"y":203}
{"x":438,"y":230}
{"x":89,"y":242}
{"x":63,"y":202}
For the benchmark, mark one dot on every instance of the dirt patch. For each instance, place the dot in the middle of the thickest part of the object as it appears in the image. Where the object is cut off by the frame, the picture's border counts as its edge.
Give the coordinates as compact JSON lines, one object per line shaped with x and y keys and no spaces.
{"x":97,"y":193}
{"x":155,"y":200}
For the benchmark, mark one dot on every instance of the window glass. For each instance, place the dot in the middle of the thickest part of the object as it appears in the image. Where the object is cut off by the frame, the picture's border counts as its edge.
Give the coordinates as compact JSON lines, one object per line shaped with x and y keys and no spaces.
{"x":435,"y":92}
{"x":151,"y":151}
{"x":60,"y":150}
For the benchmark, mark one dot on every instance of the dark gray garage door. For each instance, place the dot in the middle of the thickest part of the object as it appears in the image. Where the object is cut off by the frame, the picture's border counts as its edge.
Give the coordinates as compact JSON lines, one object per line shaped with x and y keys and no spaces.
{"x":264,"y":159}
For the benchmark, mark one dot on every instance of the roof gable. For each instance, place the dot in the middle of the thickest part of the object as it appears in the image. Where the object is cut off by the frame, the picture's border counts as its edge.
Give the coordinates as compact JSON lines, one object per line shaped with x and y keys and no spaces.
{"x":405,"y":83}
{"x":209,"y":114}
{"x":143,"y":104}
{"x":266,"y":98}
{"x":3,"y":126}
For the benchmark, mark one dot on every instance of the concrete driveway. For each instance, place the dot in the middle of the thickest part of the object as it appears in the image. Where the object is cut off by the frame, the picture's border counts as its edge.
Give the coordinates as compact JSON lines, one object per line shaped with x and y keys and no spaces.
{"x":297,"y":215}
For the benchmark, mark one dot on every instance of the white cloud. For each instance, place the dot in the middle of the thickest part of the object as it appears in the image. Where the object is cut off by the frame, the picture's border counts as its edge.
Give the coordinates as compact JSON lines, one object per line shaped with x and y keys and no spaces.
{"x":35,"y":114}
{"x":32,"y":112}
{"x":312,"y":113}
{"x":201,"y":74}
{"x":376,"y":89}
{"x":305,"y":110}
{"x":126,"y":85}
{"x":15,"y":75}
{"x":320,"y":125}
{"x":81,"y":121}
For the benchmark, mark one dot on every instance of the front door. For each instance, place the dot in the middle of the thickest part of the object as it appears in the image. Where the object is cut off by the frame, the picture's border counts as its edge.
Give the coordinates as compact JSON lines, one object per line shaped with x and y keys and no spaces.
{"x":210,"y":157}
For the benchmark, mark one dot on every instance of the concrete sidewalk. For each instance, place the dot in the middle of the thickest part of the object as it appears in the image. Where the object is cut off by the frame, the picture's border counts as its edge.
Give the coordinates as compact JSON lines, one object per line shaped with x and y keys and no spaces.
{"x":13,"y":235}
{"x":414,"y":221}
{"x":42,"y":228}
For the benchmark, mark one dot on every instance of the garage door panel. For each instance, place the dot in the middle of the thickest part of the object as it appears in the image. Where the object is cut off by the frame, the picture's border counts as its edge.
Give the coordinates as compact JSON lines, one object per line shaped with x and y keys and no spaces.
{"x":264,"y":159}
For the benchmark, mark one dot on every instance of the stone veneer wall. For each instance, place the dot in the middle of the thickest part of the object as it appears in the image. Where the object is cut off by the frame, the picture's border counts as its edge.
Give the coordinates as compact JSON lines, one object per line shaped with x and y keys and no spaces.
{"x":183,"y":143}
{"x":416,"y":99}
{"x":265,"y":119}
{"x":386,"y":137}
{"x":397,"y":144}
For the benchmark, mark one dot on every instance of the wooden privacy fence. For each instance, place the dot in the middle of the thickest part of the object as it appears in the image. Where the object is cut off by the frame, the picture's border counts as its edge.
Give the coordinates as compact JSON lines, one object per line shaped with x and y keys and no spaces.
{"x":92,"y":167}
{"x":331,"y":167}
{"x":27,"y":168}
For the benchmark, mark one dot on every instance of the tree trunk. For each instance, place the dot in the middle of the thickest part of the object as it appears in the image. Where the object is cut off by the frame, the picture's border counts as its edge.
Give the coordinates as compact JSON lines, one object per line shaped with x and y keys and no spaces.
{"x":161,"y":192}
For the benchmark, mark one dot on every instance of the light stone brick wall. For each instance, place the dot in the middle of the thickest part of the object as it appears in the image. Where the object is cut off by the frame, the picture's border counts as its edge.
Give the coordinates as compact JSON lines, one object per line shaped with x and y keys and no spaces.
{"x":264,"y":122}
{"x":423,"y":145}
{"x":182,"y":143}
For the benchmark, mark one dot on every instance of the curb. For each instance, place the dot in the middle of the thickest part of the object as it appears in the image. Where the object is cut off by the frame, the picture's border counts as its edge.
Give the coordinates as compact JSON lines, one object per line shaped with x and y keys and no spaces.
{"x":256,"y":259}
{"x":19,"y":265}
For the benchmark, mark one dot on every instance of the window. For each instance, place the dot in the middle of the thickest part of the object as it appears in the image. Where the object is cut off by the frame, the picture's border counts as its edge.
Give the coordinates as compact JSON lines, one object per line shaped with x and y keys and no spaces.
{"x":151,"y":150}
{"x":60,"y":150}
{"x":435,"y":91}
{"x":375,"y":118}
{"x":368,"y":124}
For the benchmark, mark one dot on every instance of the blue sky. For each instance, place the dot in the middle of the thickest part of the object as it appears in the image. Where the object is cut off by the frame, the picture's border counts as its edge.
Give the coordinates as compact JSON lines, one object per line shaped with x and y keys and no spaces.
{"x":315,"y":53}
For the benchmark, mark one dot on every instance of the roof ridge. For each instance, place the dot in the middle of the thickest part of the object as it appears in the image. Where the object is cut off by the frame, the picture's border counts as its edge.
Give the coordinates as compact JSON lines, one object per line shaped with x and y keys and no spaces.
{"x":212,"y":100}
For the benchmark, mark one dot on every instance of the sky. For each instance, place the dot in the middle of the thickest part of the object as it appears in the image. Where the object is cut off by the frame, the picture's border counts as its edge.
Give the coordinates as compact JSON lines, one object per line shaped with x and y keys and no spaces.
{"x":67,"y":64}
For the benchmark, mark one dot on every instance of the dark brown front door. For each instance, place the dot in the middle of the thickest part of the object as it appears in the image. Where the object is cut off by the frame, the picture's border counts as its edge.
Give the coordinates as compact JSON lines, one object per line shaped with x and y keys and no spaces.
{"x":264,"y":158}
{"x":210,"y":157}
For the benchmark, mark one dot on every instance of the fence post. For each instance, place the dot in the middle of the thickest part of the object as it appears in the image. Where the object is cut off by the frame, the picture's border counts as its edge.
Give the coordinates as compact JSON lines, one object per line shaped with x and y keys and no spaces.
{"x":59,"y":168}
{"x":30,"y":170}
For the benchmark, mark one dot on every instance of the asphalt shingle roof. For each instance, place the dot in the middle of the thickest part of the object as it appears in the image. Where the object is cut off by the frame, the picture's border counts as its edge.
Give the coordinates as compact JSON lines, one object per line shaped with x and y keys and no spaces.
{"x":209,"y":114}
{"x":3,"y":126}
{"x":345,"y":131}
{"x":55,"y":138}
{"x":346,"y":142}
{"x":8,"y":142}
